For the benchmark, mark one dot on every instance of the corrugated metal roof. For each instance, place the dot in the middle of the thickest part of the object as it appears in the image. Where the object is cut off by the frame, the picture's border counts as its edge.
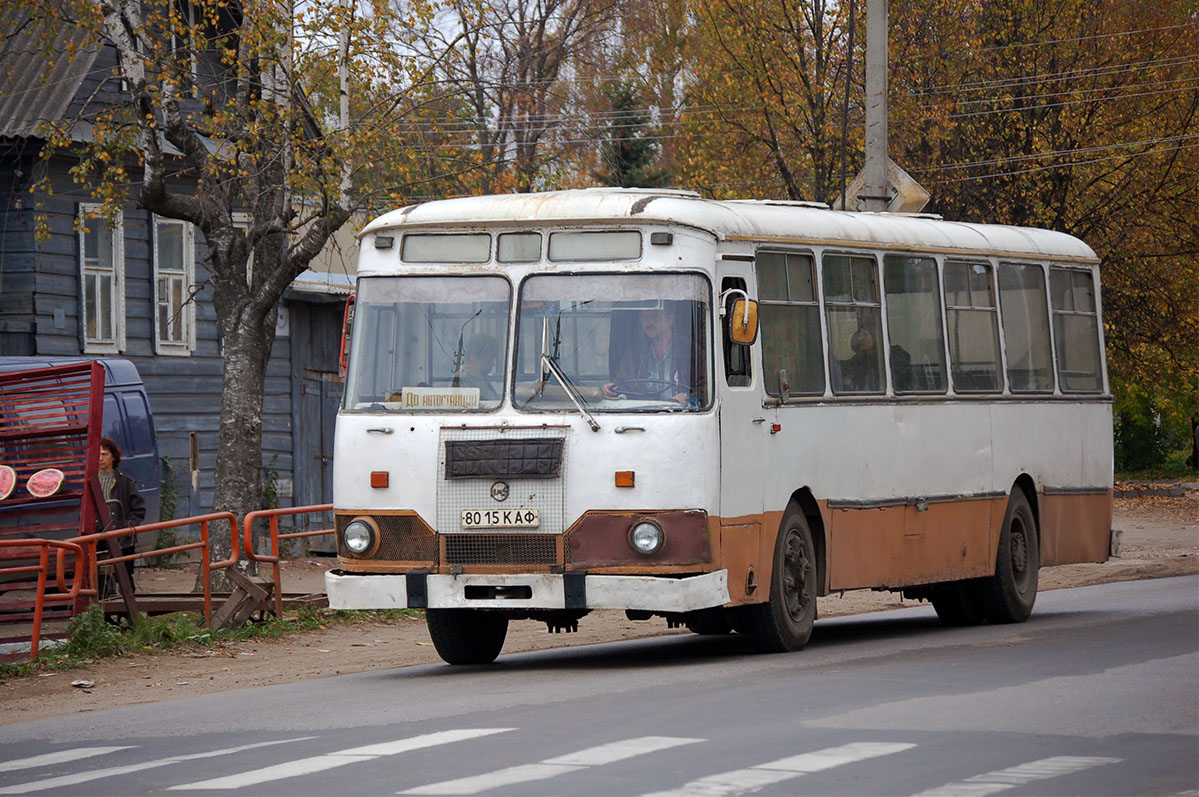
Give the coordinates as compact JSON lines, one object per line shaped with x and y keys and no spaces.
{"x":38,"y":83}
{"x":321,"y":282}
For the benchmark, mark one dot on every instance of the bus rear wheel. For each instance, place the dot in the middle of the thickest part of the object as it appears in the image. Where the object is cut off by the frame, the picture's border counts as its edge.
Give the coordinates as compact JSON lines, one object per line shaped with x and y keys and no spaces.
{"x":466,"y":636}
{"x":1009,"y":594}
{"x":785,"y":622}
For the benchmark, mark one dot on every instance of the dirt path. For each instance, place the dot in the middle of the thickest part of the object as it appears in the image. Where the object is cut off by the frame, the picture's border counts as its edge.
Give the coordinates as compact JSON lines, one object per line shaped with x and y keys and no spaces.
{"x":1160,"y":539}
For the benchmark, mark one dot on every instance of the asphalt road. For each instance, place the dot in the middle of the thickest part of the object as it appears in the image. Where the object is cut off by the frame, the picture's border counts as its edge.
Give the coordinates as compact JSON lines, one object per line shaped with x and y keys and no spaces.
{"x":1098,"y":693}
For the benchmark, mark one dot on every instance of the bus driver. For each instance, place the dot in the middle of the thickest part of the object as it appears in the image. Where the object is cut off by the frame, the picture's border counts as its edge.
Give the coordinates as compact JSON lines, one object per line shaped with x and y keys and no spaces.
{"x":659,"y":366}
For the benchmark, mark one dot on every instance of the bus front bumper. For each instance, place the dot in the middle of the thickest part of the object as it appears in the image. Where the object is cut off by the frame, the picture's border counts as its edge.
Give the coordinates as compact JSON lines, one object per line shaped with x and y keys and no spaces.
{"x":419,"y":590}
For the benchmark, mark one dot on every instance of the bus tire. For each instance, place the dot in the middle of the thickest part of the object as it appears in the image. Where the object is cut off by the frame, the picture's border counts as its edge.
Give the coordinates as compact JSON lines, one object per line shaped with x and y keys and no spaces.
{"x":784,"y":623}
{"x":957,"y":603}
{"x":466,"y":636}
{"x":1009,"y":594}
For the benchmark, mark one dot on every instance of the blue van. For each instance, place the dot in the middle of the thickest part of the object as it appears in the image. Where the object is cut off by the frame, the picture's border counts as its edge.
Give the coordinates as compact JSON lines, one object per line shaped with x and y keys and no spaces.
{"x":127,"y":420}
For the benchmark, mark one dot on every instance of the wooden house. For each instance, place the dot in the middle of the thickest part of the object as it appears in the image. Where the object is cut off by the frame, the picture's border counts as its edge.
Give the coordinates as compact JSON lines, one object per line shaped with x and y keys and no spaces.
{"x":94,"y":287}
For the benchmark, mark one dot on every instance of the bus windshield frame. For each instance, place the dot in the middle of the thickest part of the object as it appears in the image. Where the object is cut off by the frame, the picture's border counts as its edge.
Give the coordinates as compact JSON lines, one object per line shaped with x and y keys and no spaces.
{"x":601,"y":330}
{"x":429,"y":344}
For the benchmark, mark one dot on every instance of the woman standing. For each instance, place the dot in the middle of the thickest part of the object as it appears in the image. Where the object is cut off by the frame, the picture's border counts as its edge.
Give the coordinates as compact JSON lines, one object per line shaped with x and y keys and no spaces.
{"x":126,"y":507}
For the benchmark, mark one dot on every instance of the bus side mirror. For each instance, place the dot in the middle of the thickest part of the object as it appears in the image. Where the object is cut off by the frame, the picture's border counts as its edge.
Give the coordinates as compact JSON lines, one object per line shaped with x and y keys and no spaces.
{"x":347,"y":326}
{"x":743,"y":322}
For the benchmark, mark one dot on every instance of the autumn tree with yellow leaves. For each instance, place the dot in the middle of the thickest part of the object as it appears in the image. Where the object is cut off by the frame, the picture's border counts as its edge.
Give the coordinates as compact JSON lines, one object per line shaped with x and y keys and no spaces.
{"x":763,"y":111}
{"x":229,"y":116}
{"x":1080,"y":116}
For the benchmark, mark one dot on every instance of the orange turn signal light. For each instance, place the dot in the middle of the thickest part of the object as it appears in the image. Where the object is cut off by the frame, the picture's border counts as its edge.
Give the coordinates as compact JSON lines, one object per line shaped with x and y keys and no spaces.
{"x":379,"y":478}
{"x":624,"y":478}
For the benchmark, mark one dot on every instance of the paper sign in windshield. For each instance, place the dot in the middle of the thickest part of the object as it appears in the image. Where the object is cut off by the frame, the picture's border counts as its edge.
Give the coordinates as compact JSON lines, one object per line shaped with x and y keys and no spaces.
{"x":440,"y":398}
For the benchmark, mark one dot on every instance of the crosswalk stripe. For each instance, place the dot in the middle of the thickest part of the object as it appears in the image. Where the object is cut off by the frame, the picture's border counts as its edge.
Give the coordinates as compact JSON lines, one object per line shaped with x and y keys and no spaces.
{"x":60,"y":757}
{"x":1003,"y":779}
{"x":339,"y":758}
{"x":108,"y":772}
{"x":740,"y":781}
{"x":552,"y":767}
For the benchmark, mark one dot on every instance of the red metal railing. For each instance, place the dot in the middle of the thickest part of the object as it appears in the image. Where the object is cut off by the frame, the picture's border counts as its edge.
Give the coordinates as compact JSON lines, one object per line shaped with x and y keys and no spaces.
{"x":89,"y":542}
{"x":42,"y":569}
{"x":85,"y":568}
{"x":272,"y":516}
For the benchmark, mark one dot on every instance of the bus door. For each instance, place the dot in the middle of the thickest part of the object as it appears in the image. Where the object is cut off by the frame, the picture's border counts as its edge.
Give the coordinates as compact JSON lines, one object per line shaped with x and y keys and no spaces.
{"x":744,"y":429}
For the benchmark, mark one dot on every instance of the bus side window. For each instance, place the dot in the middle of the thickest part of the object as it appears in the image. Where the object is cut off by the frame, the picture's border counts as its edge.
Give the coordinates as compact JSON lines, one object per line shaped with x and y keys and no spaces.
{"x":738,"y":372}
{"x":1076,"y":330}
{"x":914,"y":324}
{"x":790,"y":320}
{"x":1025,"y":318}
{"x":973,"y":328}
{"x":853,"y":311}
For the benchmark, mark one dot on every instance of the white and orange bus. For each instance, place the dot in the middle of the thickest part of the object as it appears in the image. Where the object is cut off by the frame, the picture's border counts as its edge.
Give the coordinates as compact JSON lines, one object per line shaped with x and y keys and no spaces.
{"x":713,"y":412}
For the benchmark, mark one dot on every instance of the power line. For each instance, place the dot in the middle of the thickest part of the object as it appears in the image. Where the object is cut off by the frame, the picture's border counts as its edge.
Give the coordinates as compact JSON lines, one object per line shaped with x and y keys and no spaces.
{"x":970,"y":178}
{"x":1046,"y":106}
{"x":1070,"y":165}
{"x":1070,"y":74}
{"x":1081,"y":38}
{"x":1075,"y":93}
{"x":1058,"y":153}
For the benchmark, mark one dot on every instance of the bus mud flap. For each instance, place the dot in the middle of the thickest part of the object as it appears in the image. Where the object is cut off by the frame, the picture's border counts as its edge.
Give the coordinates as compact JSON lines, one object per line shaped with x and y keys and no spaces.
{"x":418,"y":589}
{"x":574,"y":585}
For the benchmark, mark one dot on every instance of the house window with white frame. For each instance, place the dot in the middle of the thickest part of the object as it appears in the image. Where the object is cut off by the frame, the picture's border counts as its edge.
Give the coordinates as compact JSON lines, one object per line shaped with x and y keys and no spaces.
{"x":102,"y":277}
{"x":174,"y":275}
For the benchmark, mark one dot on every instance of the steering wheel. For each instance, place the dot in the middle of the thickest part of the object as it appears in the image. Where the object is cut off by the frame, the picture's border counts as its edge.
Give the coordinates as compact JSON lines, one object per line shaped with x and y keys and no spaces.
{"x":648,"y":388}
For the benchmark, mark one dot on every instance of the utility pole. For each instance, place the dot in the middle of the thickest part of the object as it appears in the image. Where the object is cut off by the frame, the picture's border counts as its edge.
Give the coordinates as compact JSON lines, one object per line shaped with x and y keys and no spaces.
{"x":875,"y":195}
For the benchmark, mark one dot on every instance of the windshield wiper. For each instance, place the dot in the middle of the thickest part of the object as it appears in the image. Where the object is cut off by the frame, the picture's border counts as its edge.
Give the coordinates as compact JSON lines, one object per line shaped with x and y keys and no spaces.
{"x":551,"y":364}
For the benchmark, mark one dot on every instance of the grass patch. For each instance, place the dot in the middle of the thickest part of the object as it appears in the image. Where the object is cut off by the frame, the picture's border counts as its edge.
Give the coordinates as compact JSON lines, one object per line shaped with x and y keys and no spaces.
{"x":92,"y":637}
{"x":1172,"y":468}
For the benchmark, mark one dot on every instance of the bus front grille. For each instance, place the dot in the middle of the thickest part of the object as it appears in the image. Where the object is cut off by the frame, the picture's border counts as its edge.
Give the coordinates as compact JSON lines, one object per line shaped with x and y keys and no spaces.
{"x":501,"y":468}
{"x":502,"y":549}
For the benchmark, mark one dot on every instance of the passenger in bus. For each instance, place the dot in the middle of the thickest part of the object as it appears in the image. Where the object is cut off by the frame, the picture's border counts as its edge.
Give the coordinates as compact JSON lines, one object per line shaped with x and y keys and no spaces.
{"x":661,"y":360}
{"x":902,"y":375}
{"x":861,"y":372}
{"x":478,"y":361}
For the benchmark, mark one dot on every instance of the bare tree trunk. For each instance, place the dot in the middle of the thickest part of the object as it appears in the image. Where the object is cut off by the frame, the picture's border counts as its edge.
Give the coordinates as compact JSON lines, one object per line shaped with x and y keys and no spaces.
{"x":247,"y":337}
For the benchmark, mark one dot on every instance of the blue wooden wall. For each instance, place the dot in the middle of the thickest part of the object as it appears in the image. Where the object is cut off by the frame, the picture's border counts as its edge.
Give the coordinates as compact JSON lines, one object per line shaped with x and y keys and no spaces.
{"x":39,"y":315}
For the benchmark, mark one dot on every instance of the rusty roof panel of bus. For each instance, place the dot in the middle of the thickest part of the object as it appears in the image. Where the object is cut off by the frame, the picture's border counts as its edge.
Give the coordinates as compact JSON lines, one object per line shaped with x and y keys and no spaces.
{"x":760,"y":221}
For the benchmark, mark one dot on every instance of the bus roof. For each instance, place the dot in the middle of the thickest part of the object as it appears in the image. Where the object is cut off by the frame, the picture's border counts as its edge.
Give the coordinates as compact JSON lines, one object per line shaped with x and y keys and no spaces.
{"x":732,"y":220}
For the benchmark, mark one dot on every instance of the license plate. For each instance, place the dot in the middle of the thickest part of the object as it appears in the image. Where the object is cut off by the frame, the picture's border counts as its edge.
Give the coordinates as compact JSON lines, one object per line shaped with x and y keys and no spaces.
{"x":500,"y":518}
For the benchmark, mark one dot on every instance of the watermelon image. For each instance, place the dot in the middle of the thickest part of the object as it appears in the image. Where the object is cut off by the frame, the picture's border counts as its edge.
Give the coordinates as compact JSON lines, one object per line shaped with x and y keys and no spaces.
{"x":8,"y":481}
{"x":45,"y":483}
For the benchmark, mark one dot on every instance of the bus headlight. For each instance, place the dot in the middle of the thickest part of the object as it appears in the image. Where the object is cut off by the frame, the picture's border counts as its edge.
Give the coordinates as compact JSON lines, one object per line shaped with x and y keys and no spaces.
{"x":647,"y":537}
{"x":358,"y":536}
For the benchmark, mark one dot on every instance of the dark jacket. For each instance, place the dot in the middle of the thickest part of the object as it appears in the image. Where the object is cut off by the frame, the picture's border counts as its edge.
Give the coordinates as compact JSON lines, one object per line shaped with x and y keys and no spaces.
{"x":635,"y":364}
{"x":131,"y":510}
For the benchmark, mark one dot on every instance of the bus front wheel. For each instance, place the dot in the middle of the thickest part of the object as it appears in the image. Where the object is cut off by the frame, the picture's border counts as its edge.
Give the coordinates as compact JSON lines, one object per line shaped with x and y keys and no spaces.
{"x":785,"y":622}
{"x":1008,"y":595}
{"x":466,"y":636}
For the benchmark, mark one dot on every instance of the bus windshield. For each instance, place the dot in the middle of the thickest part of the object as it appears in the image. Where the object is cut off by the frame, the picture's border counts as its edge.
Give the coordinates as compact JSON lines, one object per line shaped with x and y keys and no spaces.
{"x":428,"y":344}
{"x":622,"y":342}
